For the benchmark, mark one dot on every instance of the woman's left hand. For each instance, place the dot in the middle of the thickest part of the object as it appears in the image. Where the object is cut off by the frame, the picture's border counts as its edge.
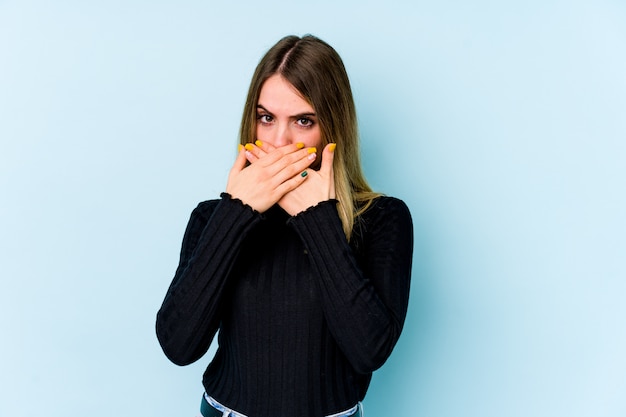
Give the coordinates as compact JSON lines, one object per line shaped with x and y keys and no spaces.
{"x":319,"y":186}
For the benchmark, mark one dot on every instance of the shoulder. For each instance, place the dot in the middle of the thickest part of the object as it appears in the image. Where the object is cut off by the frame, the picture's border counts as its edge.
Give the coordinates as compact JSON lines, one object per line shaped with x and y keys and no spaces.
{"x":384,"y":227}
{"x":386,"y":207}
{"x":385,"y":218}
{"x":204,"y":210}
{"x":207,"y":206}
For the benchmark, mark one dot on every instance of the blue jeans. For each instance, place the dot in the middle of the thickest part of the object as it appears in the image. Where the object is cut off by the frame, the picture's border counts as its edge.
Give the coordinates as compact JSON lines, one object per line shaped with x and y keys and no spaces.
{"x":211,"y":408}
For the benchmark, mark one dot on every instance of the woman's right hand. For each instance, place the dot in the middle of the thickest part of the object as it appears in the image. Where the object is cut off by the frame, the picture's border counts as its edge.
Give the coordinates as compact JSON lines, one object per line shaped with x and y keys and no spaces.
{"x":262,"y":184}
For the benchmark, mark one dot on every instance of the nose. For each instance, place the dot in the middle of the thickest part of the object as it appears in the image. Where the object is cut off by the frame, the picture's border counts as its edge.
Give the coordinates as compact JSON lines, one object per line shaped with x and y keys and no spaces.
{"x":281,"y":135}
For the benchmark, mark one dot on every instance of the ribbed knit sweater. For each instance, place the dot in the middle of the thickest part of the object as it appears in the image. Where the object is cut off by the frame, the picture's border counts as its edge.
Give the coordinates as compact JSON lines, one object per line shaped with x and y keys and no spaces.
{"x":304,"y":316}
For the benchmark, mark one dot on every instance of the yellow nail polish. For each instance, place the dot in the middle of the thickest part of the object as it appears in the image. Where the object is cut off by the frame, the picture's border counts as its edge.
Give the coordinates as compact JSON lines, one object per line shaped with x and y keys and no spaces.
{"x":240,"y":147}
{"x":332,"y":147}
{"x":300,"y":145}
{"x":258,"y":143}
{"x":249,"y":146}
{"x":312,"y":150}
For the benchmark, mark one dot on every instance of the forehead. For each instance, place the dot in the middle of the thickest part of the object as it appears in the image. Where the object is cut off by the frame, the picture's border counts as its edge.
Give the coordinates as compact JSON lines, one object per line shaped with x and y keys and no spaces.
{"x":278,"y":94}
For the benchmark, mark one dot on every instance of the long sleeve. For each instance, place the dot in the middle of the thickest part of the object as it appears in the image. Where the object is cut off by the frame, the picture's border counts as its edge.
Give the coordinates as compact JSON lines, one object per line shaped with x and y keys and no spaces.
{"x":364,"y":298}
{"x":190,"y":314}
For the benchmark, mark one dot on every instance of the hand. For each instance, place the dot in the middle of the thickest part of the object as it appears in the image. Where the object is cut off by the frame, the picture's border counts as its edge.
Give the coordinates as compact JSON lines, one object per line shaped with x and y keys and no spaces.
{"x":319,"y":187}
{"x":275,"y":173}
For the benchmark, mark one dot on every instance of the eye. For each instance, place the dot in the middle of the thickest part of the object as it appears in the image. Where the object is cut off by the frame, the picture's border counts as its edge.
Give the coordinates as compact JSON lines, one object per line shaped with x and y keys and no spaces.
{"x":264,"y":118}
{"x":305,"y":122}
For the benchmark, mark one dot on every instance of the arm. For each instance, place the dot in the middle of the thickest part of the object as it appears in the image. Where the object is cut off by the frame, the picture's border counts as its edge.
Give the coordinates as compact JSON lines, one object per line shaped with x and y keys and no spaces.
{"x":365,"y":300}
{"x":190,"y":314}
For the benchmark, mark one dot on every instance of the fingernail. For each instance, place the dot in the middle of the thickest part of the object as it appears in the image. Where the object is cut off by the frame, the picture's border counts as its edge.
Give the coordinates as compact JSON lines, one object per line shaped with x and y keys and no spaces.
{"x":312,"y":150}
{"x":300,"y":145}
{"x":311,"y":156}
{"x":240,"y":147}
{"x":249,"y":146}
{"x":304,"y":174}
{"x":332,"y":147}
{"x":258,"y":143}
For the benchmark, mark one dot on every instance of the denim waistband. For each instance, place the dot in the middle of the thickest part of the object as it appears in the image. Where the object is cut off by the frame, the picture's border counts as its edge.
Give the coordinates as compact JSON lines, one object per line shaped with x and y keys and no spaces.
{"x":207,"y":400}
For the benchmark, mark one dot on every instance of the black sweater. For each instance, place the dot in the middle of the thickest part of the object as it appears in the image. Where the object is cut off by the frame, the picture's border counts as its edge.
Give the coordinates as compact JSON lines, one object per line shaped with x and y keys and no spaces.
{"x":304,"y":317}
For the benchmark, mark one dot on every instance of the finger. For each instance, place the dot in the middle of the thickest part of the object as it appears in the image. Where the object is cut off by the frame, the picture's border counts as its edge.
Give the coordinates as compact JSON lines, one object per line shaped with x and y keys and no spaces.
{"x":286,"y":149}
{"x":259,"y":149}
{"x":263,"y":148}
{"x":294,"y":163}
{"x":240,"y":162}
{"x":292,"y":183}
{"x":250,"y":156}
{"x":253,"y":152}
{"x":328,"y":156}
{"x":332,"y":194}
{"x":272,"y":154}
{"x":285,"y":173}
{"x":268,"y":147}
{"x":286,"y":166}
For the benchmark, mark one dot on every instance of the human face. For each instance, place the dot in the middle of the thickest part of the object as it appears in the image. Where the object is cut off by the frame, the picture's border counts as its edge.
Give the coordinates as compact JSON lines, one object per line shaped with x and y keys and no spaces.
{"x":285,"y":117}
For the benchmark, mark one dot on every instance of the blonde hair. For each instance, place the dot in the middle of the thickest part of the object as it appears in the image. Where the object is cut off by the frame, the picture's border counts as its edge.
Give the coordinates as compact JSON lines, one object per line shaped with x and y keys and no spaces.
{"x":315,"y":69}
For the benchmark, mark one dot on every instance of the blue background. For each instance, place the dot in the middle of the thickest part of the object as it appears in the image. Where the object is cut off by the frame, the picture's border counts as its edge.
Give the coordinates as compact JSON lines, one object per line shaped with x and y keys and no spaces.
{"x":501,"y":124}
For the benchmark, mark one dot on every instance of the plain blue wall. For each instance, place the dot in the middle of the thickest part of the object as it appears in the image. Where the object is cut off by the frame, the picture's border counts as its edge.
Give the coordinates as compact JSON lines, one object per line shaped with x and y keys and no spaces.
{"x":501,"y":124}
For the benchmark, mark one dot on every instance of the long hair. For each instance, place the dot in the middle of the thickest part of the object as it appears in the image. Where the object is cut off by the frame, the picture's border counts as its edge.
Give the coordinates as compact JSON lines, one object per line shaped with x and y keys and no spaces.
{"x":317,"y":72}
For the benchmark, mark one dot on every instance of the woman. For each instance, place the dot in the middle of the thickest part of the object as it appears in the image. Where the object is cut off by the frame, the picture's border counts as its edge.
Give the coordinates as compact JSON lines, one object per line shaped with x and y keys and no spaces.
{"x":302,"y":268}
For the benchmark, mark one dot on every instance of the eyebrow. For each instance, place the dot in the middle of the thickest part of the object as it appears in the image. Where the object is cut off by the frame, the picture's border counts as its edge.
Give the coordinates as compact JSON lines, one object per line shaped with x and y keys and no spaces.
{"x":295,"y":116}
